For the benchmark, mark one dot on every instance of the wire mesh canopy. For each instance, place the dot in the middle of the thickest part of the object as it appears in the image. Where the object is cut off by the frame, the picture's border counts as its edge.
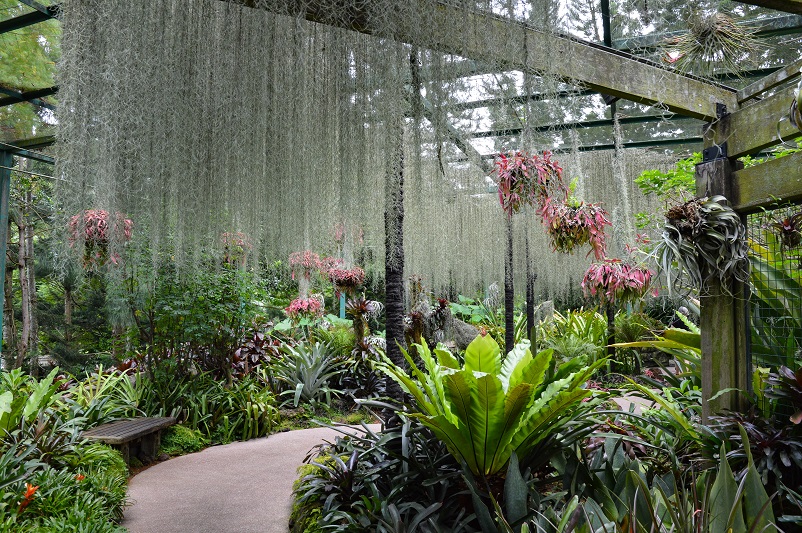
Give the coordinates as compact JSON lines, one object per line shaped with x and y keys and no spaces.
{"x":281,"y":121}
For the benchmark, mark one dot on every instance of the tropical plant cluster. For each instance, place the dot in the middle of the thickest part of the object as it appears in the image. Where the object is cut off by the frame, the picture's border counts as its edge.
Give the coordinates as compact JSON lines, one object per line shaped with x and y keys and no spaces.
{"x":527,"y":443}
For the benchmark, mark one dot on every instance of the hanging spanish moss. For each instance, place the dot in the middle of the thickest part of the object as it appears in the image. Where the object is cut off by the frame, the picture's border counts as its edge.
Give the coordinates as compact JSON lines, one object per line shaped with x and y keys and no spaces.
{"x":198,"y":119}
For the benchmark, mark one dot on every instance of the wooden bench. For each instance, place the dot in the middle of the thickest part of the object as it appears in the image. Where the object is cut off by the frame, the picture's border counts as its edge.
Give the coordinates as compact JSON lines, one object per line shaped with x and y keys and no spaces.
{"x":138,"y":437}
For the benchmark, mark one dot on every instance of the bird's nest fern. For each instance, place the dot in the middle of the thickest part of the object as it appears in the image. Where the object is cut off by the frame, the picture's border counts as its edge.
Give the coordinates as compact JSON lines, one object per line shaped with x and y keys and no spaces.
{"x":703,"y":241}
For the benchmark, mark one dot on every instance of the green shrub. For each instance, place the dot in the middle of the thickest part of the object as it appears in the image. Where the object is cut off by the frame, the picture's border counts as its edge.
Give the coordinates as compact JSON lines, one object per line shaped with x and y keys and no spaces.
{"x":181,"y":440}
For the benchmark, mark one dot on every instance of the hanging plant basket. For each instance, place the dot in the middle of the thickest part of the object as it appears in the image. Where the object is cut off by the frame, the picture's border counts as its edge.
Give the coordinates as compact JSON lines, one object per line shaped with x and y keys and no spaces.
{"x":703,"y":240}
{"x":347,"y":280}
{"x":306,"y":308}
{"x":96,"y":229}
{"x":236,"y":246}
{"x":617,"y":281}
{"x":574,"y":224}
{"x":525,"y":179}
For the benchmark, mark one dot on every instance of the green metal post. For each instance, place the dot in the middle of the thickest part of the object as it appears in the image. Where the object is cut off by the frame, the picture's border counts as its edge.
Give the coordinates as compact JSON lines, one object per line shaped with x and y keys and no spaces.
{"x":6,"y":161}
{"x":342,"y":305}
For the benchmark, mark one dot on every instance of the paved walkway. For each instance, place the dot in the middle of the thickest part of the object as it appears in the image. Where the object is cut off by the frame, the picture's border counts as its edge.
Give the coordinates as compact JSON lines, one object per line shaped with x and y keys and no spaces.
{"x":243,"y":487}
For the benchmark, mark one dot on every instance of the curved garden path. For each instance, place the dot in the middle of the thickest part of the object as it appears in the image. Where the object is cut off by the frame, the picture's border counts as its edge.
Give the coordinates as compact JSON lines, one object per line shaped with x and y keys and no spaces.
{"x":244,"y":487}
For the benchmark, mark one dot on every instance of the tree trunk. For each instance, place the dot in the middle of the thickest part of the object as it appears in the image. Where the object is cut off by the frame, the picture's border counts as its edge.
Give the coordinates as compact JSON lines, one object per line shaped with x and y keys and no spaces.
{"x":509,"y":294}
{"x":610,"y":312}
{"x":530,"y":297}
{"x":394,"y":263}
{"x":22,"y":266}
{"x":9,"y":323}
{"x":30,"y":263}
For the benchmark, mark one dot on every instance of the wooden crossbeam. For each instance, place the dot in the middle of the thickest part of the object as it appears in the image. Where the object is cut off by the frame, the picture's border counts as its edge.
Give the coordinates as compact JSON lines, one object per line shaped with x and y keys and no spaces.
{"x":764,"y":185}
{"x":754,"y":128}
{"x":789,"y":6}
{"x":585,"y":64}
{"x":769,"y":82}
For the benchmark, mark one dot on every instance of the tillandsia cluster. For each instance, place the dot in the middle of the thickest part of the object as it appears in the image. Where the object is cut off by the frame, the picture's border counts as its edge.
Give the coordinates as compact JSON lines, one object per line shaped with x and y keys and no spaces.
{"x":714,"y":41}
{"x":788,"y":229}
{"x":96,"y":228}
{"x":617,"y":281}
{"x":574,"y":223}
{"x":703,"y":240}
{"x":236,"y":246}
{"x":347,"y":280}
{"x":525,"y":179}
{"x":309,"y":308}
{"x":305,"y":263}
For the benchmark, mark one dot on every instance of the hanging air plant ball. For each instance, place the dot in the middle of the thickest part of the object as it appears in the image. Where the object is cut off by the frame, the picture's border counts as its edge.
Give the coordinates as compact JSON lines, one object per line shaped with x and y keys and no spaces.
{"x":789,"y":230}
{"x":306,"y":308}
{"x":305,"y":263}
{"x":525,"y":179}
{"x":347,"y":280}
{"x":236,"y":246}
{"x":713,"y":42}
{"x":96,"y":228}
{"x":616,"y":281}
{"x":572,"y":224}
{"x":703,"y":240}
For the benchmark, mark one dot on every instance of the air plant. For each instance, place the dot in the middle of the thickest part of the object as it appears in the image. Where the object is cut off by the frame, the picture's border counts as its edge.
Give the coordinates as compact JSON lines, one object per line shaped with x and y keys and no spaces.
{"x":616,"y":281}
{"x":347,"y":280}
{"x":786,"y":385}
{"x":309,"y":308}
{"x":236,"y":246}
{"x":96,"y":228}
{"x":362,"y":310}
{"x":525,"y":179}
{"x":703,"y":240}
{"x":305,"y":263}
{"x":573,"y":223}
{"x":713,"y":41}
{"x":789,"y":230}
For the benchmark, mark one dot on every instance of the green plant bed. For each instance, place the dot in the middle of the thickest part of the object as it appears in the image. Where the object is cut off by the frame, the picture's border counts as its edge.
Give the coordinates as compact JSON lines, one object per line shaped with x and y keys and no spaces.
{"x":307,"y":416}
{"x":181,"y":440}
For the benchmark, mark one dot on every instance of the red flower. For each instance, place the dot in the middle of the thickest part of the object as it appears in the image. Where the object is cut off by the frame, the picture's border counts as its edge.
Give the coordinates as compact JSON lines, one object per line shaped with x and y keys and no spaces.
{"x":30,"y":492}
{"x":80,"y":477}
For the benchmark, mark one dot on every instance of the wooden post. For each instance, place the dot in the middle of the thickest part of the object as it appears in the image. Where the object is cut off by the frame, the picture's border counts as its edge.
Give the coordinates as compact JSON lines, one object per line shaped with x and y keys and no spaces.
{"x":723,"y":317}
{"x":6,"y":160}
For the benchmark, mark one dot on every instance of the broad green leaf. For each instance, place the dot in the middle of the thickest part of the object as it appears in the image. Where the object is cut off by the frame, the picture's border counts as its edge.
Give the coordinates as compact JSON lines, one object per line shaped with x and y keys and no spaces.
{"x":756,"y":502}
{"x":41,"y":395}
{"x":446,"y":359}
{"x":483,"y":355}
{"x":725,"y":501}
{"x":516,"y":492}
{"x":520,"y":354}
{"x":515,"y":402}
{"x":681,"y":336}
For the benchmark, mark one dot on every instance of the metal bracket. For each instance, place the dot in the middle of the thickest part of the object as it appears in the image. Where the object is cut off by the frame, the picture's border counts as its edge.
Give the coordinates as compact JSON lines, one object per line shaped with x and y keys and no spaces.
{"x":717,"y":151}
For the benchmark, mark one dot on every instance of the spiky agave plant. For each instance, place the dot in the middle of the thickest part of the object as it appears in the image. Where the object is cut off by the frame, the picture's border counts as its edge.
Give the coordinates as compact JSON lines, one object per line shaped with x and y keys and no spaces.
{"x":703,"y":240}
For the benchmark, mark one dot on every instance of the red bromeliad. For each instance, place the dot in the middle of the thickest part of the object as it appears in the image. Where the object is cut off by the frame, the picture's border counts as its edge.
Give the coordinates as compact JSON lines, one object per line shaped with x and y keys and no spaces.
{"x":614,"y":280}
{"x":525,"y":179}
{"x":572,"y":225}
{"x":347,"y":280}
{"x":311,"y":307}
{"x":95,"y":227}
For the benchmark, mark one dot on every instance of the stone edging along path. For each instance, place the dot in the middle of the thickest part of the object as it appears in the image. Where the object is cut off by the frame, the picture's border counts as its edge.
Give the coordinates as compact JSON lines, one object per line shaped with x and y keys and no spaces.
{"x":243,"y":487}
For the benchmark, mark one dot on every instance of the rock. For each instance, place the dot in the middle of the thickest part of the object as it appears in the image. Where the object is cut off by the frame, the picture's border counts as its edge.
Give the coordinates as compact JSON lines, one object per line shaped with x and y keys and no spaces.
{"x":463,"y":333}
{"x":162,"y":457}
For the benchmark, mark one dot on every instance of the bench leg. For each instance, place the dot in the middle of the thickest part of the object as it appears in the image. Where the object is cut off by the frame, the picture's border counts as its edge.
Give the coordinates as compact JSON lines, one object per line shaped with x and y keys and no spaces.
{"x":149,"y":446}
{"x":125,"y":451}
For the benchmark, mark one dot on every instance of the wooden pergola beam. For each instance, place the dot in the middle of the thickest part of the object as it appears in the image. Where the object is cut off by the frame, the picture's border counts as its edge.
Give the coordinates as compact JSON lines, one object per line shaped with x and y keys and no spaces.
{"x":584,"y":64}
{"x":755,"y":127}
{"x":789,"y":6}
{"x":764,"y":185}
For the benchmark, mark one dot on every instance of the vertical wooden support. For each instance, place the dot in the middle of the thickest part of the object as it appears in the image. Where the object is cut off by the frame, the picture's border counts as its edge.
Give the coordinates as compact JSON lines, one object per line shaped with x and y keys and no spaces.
{"x":723,"y":317}
{"x":342,"y":305}
{"x":6,"y":161}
